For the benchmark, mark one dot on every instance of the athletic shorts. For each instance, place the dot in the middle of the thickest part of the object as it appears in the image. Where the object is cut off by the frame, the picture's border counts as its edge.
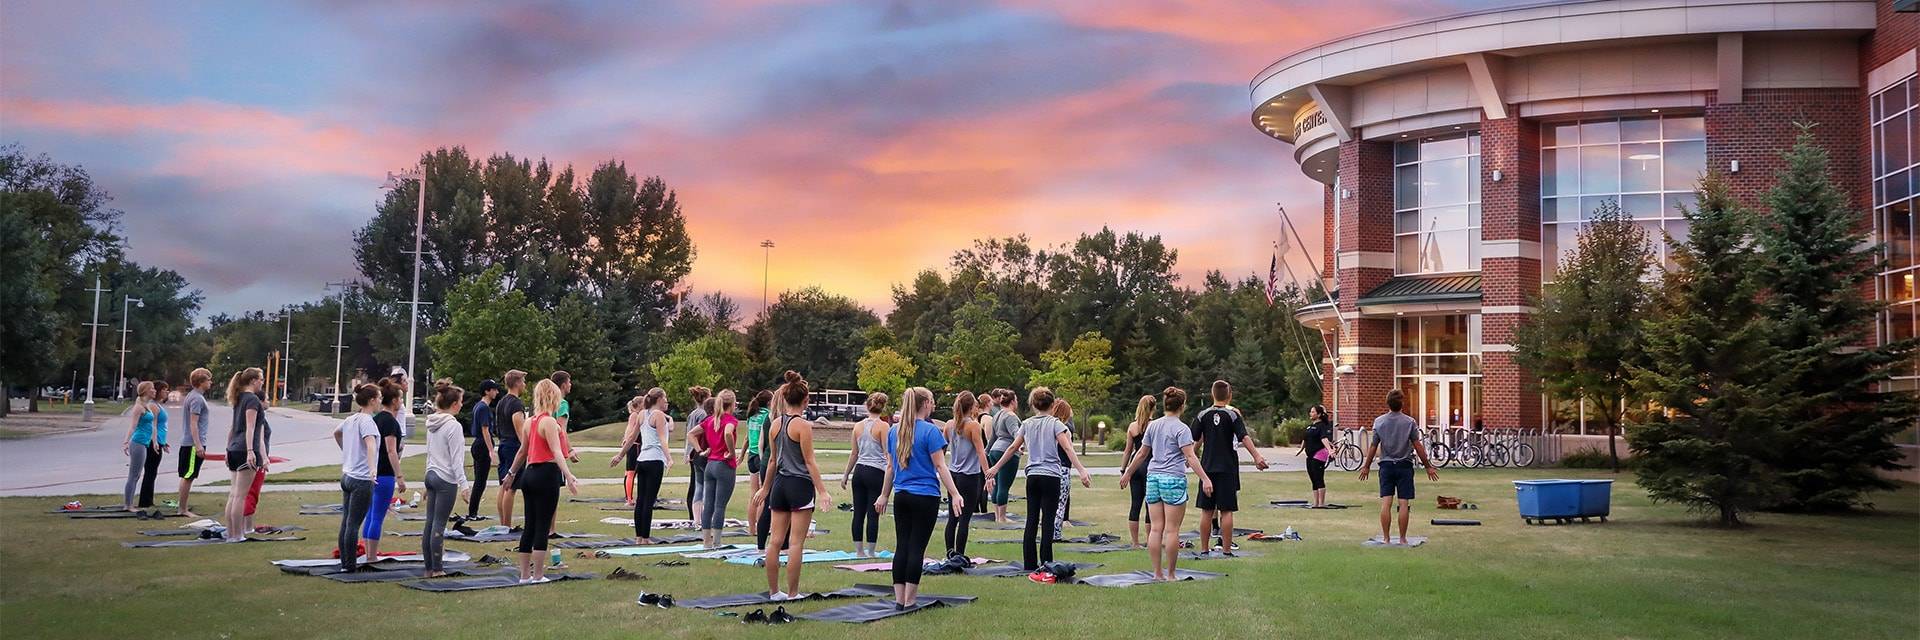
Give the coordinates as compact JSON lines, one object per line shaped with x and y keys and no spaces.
{"x":1166,"y":488}
{"x":190,"y":462}
{"x":790,"y":494}
{"x":755,"y":465}
{"x":1226,"y":493}
{"x":1396,"y":479}
{"x":508,"y":449}
{"x":237,"y":460}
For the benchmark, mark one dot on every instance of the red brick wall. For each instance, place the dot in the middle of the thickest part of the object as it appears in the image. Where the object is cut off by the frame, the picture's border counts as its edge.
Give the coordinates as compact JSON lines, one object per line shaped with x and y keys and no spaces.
{"x":1758,"y":129}
{"x":1896,"y":33}
{"x":1326,"y":230}
{"x":1510,"y":210}
{"x":1366,"y":172}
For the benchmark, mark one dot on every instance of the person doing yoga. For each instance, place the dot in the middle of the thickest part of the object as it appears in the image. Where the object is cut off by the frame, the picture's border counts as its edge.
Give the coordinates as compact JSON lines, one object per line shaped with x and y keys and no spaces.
{"x":1396,"y":440}
{"x":1045,"y":474}
{"x":1318,"y":447}
{"x":1167,"y":455}
{"x":1137,"y":490}
{"x":144,"y":445}
{"x":1004,"y":405}
{"x":387,"y":479}
{"x":795,"y":488}
{"x":967,"y":467}
{"x":484,"y":457}
{"x":544,"y":471}
{"x":750,"y":449}
{"x":644,"y":447}
{"x":359,"y":441}
{"x":446,"y":476}
{"x":193,"y":439}
{"x":721,"y":431}
{"x":917,"y":467}
{"x":509,"y":424}
{"x":247,"y":443}
{"x":1218,"y":429}
{"x":867,"y":470}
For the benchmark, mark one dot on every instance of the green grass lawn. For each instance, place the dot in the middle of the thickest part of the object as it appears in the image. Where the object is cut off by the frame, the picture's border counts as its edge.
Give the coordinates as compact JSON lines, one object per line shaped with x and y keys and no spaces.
{"x":100,"y":407}
{"x":1653,"y":571}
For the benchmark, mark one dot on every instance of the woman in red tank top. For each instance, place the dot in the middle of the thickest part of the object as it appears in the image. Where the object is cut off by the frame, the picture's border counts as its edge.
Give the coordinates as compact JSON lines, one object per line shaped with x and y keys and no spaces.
{"x":544,"y":473}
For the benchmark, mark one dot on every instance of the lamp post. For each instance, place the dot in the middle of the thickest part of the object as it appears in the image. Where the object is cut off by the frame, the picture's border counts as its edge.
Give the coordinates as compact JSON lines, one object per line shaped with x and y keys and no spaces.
{"x":339,"y":342}
{"x":86,"y":410}
{"x":766,"y":268}
{"x":120,"y":381}
{"x":285,"y":350}
{"x":394,"y":180}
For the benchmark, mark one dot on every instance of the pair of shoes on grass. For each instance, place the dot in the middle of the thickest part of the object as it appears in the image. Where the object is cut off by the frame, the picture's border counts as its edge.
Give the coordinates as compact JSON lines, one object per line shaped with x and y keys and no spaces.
{"x":760,"y":616}
{"x":662,"y":600}
{"x":621,"y":573}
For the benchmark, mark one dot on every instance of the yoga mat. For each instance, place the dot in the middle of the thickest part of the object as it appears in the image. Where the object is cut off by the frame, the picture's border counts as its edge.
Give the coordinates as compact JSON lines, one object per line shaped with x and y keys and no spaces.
{"x":168,"y":544}
{"x":724,"y":552}
{"x":808,"y":558}
{"x":448,"y":557}
{"x":660,"y":550}
{"x":403,"y":574}
{"x":609,"y":543}
{"x":764,"y":598}
{"x":1237,"y":533}
{"x":1105,"y":548}
{"x":1211,"y":556}
{"x":98,"y":508}
{"x":1452,"y":522}
{"x":1133,"y":578}
{"x":1287,"y":504}
{"x":499,"y":581}
{"x":1412,"y":541}
{"x":671,"y":524}
{"x":868,"y":567}
{"x":1098,"y":538}
{"x":599,"y":500}
{"x":116,"y":515}
{"x":195,"y":532}
{"x":876,"y":610}
{"x":1015,"y":571}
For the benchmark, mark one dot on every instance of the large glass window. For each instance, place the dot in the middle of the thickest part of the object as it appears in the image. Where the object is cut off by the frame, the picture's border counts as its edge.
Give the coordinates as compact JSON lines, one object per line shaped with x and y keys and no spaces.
{"x":1647,"y":165}
{"x":1896,"y":178}
{"x":1436,"y":201}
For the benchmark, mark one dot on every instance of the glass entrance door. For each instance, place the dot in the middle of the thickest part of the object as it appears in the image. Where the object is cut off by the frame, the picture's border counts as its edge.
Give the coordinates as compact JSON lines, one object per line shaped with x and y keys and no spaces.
{"x":1443,"y":401}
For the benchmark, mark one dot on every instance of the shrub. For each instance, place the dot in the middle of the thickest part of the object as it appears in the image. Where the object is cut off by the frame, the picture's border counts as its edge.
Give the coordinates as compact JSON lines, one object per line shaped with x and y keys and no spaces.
{"x":1292,"y":431}
{"x":1117,"y":440}
{"x":1591,"y":459}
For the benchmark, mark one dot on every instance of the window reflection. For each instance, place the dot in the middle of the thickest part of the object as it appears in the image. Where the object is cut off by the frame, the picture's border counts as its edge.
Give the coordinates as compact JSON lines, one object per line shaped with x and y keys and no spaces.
{"x":1895,"y":140}
{"x":1436,"y":199}
{"x":1647,"y":165}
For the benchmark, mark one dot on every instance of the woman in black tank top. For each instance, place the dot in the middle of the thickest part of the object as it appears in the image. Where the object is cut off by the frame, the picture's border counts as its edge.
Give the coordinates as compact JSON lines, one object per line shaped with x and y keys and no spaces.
{"x":794,"y":487}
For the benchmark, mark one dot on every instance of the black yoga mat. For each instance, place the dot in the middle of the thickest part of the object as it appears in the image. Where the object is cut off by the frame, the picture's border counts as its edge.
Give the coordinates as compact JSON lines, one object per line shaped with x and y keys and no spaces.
{"x":1133,"y":578}
{"x":1189,"y":555}
{"x":1015,"y":571}
{"x":875,"y":610}
{"x":1104,"y":548}
{"x":417,"y":573}
{"x":1452,"y":522}
{"x":168,"y":544}
{"x":1237,"y":532}
{"x":500,"y":581}
{"x":170,"y":533}
{"x":116,"y":515}
{"x":98,"y":508}
{"x":1098,"y":538}
{"x":607,"y":543}
{"x":1288,"y":504}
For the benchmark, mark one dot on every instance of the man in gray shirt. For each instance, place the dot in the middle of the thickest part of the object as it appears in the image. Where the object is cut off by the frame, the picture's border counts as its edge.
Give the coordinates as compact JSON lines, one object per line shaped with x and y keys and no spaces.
{"x":1396,"y":440}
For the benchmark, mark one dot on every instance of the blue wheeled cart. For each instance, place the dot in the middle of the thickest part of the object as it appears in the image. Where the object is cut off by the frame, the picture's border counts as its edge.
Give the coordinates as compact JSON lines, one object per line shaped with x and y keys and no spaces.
{"x":1563,"y":501}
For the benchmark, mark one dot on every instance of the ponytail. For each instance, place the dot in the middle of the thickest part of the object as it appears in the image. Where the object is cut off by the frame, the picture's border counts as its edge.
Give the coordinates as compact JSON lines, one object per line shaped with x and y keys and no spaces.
{"x":240,"y":381}
{"x":1144,"y":413}
{"x":910,"y":404}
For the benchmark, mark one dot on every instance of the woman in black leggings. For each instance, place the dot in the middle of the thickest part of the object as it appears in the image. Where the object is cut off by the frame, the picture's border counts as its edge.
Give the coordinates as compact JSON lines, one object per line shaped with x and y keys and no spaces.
{"x":969,"y":449}
{"x":867,"y":470}
{"x":544,"y":473}
{"x":644,"y":445}
{"x":1137,"y":485}
{"x":1045,"y":473}
{"x":1318,"y":447}
{"x":917,"y":466}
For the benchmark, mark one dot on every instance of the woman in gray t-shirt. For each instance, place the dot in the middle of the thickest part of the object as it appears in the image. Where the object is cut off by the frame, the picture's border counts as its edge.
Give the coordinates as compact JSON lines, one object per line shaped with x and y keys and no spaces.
{"x":1168,"y":444}
{"x":1045,"y":474}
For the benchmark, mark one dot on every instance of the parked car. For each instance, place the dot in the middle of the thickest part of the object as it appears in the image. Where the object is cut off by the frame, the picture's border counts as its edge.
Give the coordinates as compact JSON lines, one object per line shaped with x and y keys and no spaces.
{"x":324,"y":402}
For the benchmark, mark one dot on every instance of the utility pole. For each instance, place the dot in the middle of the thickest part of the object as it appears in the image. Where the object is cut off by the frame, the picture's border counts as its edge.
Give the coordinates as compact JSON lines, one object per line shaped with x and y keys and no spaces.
{"x":766,"y":268}
{"x":339,"y":341}
{"x":286,"y":356}
{"x":419,"y":230}
{"x":120,"y":381}
{"x":86,"y":411}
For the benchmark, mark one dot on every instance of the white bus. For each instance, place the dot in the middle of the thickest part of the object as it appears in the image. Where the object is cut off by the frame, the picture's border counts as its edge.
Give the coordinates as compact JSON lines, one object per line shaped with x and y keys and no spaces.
{"x":837,"y":404}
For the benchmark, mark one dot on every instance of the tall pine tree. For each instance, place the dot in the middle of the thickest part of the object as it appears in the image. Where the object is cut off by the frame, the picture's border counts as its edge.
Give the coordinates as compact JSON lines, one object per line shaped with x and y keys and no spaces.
{"x":1711,"y":364}
{"x":1840,"y":424}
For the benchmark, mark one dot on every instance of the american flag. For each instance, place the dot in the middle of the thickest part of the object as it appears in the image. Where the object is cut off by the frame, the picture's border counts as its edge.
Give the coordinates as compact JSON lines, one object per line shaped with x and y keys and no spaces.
{"x":1273,"y":279}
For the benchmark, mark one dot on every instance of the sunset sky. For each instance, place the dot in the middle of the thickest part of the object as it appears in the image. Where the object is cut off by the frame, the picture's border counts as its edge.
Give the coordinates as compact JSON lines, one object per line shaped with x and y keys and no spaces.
{"x":246,"y":141}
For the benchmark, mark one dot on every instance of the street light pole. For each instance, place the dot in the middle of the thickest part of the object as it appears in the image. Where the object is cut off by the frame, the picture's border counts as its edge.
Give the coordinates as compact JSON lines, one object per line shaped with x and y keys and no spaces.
{"x":86,"y":410}
{"x":286,"y":349}
{"x":120,"y":381}
{"x":419,"y":229}
{"x":766,"y":268}
{"x":339,"y":342}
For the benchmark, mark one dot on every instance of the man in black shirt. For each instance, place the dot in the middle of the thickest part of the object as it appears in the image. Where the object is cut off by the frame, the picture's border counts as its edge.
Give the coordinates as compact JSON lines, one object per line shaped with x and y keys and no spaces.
{"x":509,"y":421}
{"x":1218,"y":429}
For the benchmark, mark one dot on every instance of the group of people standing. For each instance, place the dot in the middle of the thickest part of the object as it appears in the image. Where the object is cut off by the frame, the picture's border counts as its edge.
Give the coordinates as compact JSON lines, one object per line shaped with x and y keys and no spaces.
{"x":248,"y":440}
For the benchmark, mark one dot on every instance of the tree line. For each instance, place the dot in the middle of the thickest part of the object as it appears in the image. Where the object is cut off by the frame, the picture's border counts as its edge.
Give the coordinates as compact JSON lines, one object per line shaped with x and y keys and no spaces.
{"x":1747,"y":376}
{"x":539,"y":267}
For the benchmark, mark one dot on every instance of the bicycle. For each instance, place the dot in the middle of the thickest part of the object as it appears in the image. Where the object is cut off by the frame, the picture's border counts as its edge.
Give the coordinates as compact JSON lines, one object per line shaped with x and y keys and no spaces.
{"x":1437,"y":450}
{"x":1346,"y":454}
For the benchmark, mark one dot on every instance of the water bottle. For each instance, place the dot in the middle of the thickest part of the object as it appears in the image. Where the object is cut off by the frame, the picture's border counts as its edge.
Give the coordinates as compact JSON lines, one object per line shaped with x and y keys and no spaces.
{"x":416,"y":499}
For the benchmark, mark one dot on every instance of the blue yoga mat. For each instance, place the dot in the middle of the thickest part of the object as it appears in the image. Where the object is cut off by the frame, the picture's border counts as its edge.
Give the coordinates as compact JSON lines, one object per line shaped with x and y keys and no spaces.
{"x":812,"y":556}
{"x":655,"y":550}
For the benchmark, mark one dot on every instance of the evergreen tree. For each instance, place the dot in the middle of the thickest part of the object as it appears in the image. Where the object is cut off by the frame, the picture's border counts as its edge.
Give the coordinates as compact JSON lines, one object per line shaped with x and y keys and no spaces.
{"x":1710,"y":363}
{"x":1840,"y":424}
{"x":1587,"y":333}
{"x":586,"y":354}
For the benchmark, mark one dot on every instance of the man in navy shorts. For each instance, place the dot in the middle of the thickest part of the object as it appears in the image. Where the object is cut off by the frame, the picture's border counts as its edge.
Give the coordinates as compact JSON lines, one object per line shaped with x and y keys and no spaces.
{"x":1396,"y":440}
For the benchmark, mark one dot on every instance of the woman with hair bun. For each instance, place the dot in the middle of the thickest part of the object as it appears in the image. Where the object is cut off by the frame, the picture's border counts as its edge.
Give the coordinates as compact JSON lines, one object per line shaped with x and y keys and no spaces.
{"x":1045,"y":474}
{"x":359,"y":441}
{"x":144,"y":445}
{"x":387,"y":480}
{"x":867,"y":470}
{"x":794,"y":489}
{"x":446,"y":474}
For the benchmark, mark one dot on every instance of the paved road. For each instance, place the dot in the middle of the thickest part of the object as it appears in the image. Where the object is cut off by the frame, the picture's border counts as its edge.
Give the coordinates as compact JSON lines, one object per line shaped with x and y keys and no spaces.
{"x":90,"y":462}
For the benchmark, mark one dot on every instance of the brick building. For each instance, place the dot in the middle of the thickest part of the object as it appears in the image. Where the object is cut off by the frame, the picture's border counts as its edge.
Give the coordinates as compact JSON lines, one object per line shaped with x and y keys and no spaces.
{"x":1460,"y":155}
